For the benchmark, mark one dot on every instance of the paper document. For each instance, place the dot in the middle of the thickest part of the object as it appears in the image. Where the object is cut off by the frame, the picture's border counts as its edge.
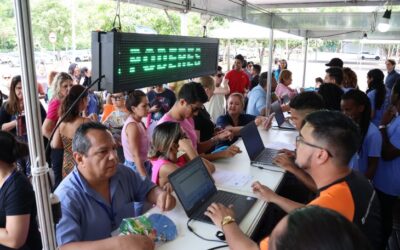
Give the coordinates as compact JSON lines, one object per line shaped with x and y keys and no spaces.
{"x":280,"y":145}
{"x":231,"y":179}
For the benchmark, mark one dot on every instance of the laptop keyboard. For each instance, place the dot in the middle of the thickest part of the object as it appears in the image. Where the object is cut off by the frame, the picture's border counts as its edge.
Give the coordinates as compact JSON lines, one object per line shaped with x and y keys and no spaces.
{"x":267,"y":156}
{"x":220,"y":197}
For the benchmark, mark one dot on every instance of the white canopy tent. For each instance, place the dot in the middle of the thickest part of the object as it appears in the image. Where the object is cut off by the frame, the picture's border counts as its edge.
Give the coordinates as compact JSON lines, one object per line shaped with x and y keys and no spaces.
{"x":242,"y":30}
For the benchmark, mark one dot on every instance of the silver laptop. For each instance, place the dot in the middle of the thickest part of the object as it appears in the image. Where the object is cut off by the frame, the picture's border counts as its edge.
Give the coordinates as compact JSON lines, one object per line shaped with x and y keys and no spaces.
{"x":280,"y":118}
{"x":259,"y":155}
{"x":196,"y":191}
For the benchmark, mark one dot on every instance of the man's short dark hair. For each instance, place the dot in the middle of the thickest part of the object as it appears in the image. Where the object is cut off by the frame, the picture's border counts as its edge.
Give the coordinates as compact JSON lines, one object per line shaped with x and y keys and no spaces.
{"x":339,"y":132}
{"x":336,"y":73}
{"x":332,"y":94}
{"x":193,"y":92}
{"x":80,"y":142}
{"x":263,"y":79}
{"x":257,"y":68}
{"x":240,"y":57}
{"x":219,"y":68}
{"x":392,"y":62}
{"x":307,"y":101}
{"x":334,"y":230}
{"x":244,"y":64}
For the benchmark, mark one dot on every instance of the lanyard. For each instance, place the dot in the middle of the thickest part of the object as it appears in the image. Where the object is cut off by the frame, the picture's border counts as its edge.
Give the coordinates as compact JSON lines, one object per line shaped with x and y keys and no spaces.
{"x":110,"y":212}
{"x":8,"y":178}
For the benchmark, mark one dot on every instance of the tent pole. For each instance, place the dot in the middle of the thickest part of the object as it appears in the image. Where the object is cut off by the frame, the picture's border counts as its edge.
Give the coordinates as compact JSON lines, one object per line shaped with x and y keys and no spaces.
{"x":270,"y":75}
{"x":305,"y":52}
{"x":39,"y":166}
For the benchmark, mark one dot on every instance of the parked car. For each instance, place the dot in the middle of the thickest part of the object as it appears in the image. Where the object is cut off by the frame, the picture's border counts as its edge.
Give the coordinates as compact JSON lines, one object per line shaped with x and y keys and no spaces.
{"x":77,"y":56}
{"x":367,"y":55}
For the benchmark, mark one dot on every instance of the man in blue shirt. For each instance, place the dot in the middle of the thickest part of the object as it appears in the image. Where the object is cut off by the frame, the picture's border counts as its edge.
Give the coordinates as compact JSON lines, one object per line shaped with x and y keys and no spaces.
{"x":257,"y":96}
{"x":392,"y":75}
{"x":99,"y":193}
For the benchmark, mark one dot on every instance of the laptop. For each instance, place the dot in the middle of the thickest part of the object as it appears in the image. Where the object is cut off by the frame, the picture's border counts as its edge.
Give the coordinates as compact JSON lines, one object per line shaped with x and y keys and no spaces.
{"x":280,"y":118}
{"x":259,"y":155}
{"x":196,"y":191}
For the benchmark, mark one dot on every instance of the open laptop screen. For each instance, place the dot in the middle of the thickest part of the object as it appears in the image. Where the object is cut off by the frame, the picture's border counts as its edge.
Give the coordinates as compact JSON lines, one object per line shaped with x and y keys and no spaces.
{"x":276,"y":108}
{"x":192,"y":184}
{"x":252,"y":140}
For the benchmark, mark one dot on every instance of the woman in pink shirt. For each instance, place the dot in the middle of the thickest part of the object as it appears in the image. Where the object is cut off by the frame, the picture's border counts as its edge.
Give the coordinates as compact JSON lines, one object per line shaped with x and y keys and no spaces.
{"x":135,"y":141}
{"x":61,"y":86}
{"x":168,"y":139}
{"x":283,"y":89}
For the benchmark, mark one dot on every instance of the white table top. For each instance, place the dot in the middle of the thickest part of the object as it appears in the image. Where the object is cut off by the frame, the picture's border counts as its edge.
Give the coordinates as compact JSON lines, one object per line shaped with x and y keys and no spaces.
{"x":238,"y":166}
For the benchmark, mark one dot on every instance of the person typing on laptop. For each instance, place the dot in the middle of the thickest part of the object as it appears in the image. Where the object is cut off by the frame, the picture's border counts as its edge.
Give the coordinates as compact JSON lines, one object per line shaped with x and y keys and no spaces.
{"x":326,"y":143}
{"x":300,"y":106}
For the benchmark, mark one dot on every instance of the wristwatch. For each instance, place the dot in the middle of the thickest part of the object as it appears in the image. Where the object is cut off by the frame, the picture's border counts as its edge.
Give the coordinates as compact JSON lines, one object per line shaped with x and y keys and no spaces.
{"x":227,"y":220}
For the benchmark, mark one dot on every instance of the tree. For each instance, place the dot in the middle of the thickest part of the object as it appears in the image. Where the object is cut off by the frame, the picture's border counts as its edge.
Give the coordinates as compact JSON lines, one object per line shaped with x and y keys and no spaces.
{"x":50,"y":16}
{"x":8,"y":32}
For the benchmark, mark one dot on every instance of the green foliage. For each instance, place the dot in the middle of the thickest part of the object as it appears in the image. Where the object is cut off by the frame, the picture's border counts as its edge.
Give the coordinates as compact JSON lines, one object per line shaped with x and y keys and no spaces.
{"x":8,"y":33}
{"x":50,"y":16}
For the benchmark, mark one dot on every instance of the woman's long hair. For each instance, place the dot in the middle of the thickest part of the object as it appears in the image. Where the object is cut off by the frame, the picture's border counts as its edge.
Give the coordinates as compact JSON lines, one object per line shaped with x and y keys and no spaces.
{"x":58,"y":80}
{"x":164,"y":135}
{"x":67,"y":102}
{"x":12,"y":106}
{"x":10,"y":148}
{"x":361,"y":99}
{"x":377,"y":77}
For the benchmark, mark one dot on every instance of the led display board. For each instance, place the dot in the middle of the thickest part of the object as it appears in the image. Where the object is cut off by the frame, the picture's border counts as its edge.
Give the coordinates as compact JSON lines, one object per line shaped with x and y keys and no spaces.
{"x":131,"y":61}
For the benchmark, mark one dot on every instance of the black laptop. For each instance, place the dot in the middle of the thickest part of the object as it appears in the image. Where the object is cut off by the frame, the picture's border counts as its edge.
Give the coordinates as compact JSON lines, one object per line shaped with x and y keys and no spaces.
{"x":259,"y":155}
{"x":196,"y":191}
{"x":280,"y":118}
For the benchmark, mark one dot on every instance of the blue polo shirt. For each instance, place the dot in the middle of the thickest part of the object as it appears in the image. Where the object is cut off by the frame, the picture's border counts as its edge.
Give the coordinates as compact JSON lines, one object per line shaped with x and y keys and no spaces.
{"x":378,"y":112}
{"x":257,"y":100}
{"x":387,"y":176}
{"x":371,"y":147}
{"x":391,"y":79}
{"x":86,"y":216}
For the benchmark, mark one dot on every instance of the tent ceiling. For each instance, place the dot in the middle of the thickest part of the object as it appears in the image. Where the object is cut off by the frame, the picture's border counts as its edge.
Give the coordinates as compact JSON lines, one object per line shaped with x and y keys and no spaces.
{"x":314,"y":3}
{"x":343,"y":25}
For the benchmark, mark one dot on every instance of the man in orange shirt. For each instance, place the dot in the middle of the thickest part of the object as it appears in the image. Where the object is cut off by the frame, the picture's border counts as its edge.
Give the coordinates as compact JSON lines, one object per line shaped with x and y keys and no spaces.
{"x":327,"y":142}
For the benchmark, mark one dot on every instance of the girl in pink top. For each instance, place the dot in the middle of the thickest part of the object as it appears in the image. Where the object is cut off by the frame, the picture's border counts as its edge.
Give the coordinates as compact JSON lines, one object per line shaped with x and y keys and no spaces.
{"x":285,"y":79}
{"x":167,"y":140}
{"x":135,"y":141}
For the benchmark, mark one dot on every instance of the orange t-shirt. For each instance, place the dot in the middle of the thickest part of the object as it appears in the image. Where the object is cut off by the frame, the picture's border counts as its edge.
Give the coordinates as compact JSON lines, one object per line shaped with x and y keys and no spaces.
{"x":107,"y":110}
{"x":337,"y":197}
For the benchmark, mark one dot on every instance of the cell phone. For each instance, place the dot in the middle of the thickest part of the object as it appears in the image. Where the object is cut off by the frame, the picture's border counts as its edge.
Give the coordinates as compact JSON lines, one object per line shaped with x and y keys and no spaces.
{"x":285,"y":99}
{"x":21,"y":125}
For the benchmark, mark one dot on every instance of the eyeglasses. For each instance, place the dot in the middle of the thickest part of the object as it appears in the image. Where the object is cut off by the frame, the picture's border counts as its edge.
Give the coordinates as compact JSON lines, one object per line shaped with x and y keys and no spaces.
{"x":117,"y":97}
{"x":220,"y":75}
{"x":6,"y":77}
{"x":300,"y":139}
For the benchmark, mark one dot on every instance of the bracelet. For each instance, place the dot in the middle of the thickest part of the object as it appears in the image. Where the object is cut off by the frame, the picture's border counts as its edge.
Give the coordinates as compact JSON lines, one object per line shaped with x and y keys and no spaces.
{"x":227,"y":220}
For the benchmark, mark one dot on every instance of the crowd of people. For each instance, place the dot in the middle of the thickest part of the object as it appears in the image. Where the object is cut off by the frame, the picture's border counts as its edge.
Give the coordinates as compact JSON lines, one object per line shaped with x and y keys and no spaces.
{"x":112,"y":158}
